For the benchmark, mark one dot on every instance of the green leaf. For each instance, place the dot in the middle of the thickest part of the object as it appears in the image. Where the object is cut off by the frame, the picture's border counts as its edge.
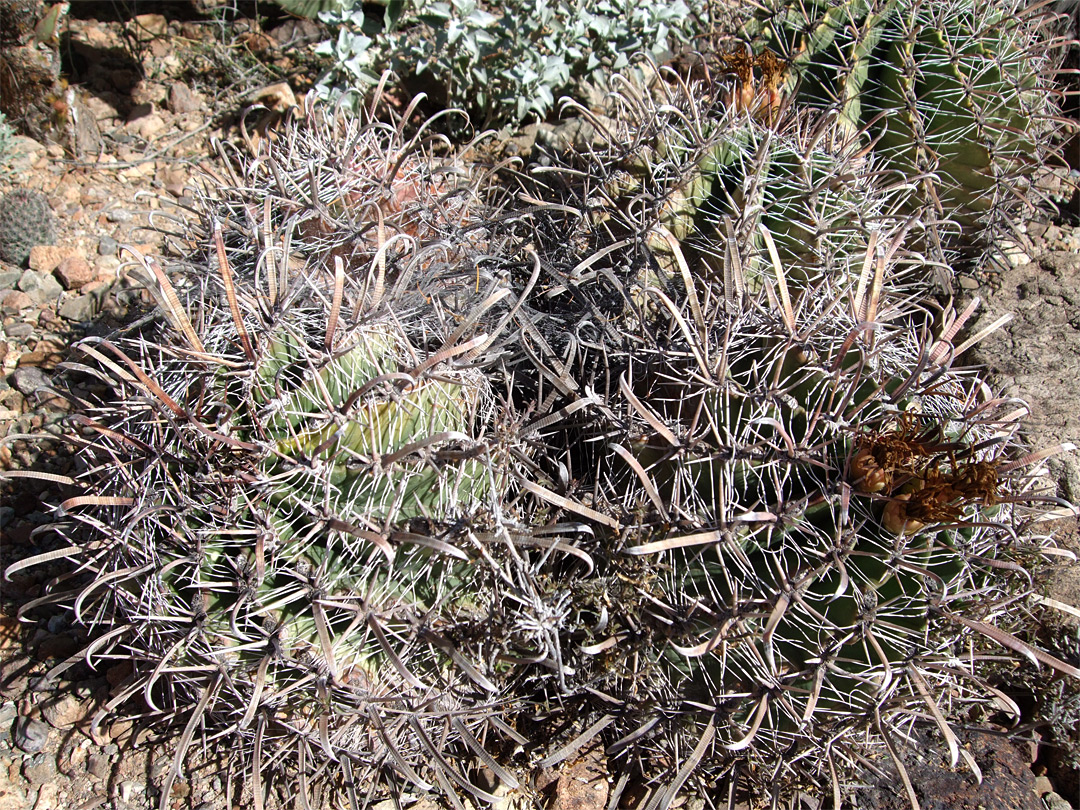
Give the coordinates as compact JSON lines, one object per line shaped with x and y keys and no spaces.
{"x":394,"y":10}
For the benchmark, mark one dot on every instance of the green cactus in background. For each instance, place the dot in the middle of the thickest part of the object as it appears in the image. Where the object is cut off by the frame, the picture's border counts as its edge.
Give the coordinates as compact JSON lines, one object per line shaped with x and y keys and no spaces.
{"x":958,"y":96}
{"x":26,"y":220}
{"x":700,"y":170}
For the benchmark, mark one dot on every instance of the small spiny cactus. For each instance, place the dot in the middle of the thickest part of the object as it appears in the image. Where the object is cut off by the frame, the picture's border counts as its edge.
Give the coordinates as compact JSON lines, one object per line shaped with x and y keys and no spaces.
{"x":26,"y":220}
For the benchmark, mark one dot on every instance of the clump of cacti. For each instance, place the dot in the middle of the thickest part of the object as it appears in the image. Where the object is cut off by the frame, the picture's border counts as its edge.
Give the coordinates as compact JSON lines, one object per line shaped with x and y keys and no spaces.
{"x":958,"y":96}
{"x":422,"y":486}
{"x":26,"y":221}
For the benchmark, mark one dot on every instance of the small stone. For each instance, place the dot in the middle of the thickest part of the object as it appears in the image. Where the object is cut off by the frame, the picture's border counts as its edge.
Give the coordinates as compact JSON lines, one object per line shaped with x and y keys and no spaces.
{"x":99,"y":766}
{"x":278,"y":97}
{"x":107,"y":267}
{"x":120,"y":730}
{"x":12,"y":796}
{"x":59,"y":647}
{"x":1036,"y":229}
{"x":118,"y":673}
{"x":107,"y":246}
{"x":68,"y":191}
{"x":28,"y":379}
{"x":41,"y":287}
{"x":12,"y":302}
{"x":129,"y":789}
{"x":73,"y":754}
{"x":48,"y":797}
{"x":146,"y":127}
{"x":173,"y":180}
{"x":118,"y":215}
{"x":9,"y":278}
{"x":64,"y":711}
{"x":74,"y":272}
{"x":182,"y":99}
{"x":1053,"y":801}
{"x":20,"y":330}
{"x":1043,"y":785}
{"x":145,"y":26}
{"x":79,"y":308}
{"x":296,"y":32}
{"x":968,"y":284}
{"x":46,"y":258}
{"x":46,"y":355}
{"x":98,"y":289}
{"x":15,"y":676}
{"x":8,"y":713}
{"x":1018,"y":258}
{"x":31,"y":734}
{"x":40,"y":769}
{"x":22,"y":153}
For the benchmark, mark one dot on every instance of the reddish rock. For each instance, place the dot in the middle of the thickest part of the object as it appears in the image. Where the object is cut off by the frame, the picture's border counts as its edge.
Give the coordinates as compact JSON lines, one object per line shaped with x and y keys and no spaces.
{"x":147,"y":26}
{"x":46,"y":258}
{"x":182,"y":99}
{"x":65,"y":710}
{"x":74,"y":272}
{"x":148,"y":127}
{"x":278,"y":97}
{"x":45,"y":356}
{"x":14,"y":302}
{"x":173,"y":180}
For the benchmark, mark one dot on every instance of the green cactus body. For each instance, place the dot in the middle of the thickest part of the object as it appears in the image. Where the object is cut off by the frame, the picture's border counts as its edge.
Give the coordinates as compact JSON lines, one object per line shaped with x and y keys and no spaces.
{"x":809,"y":183}
{"x":956,"y":95}
{"x":350,"y":449}
{"x":975,"y":128}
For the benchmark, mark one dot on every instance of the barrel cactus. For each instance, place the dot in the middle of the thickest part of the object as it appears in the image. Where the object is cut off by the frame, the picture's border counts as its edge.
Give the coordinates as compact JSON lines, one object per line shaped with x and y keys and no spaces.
{"x":293,"y":485}
{"x":808,"y":512}
{"x":420,"y":487}
{"x":701,"y":166}
{"x":958,"y":96}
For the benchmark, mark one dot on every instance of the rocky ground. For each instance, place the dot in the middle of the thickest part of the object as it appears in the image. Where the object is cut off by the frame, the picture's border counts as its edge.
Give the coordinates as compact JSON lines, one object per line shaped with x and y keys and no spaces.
{"x":145,"y":130}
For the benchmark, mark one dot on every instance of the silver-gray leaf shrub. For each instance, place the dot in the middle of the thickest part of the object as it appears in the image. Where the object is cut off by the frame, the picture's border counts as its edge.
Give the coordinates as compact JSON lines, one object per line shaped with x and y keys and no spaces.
{"x":503,"y":62}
